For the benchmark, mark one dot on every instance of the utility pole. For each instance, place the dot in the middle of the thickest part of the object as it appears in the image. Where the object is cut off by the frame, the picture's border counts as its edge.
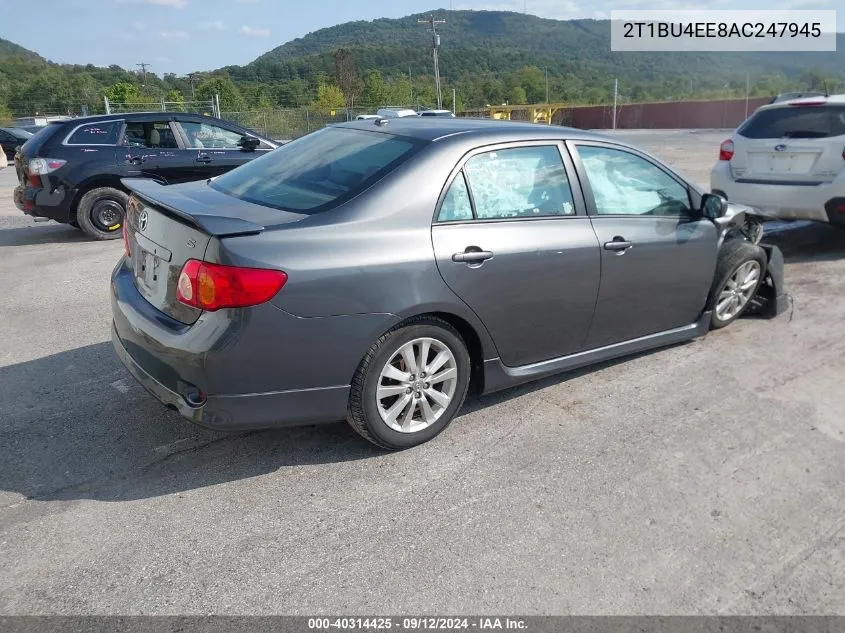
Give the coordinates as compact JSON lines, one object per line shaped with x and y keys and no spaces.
{"x":435,"y":38}
{"x":143,"y":67}
{"x":191,"y":78}
{"x":454,"y":101}
{"x":547,"y":85}
{"x":615,"y":99}
{"x":747,"y":90}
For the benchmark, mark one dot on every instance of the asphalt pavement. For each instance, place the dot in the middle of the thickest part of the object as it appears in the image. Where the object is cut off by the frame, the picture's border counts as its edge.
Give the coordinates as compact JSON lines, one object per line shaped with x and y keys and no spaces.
{"x":702,"y":478}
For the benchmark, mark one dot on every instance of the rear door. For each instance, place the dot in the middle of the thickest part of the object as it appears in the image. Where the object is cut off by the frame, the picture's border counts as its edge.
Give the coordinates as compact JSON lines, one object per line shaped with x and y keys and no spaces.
{"x":798,"y":144}
{"x":215,"y":149}
{"x":155,"y":151}
{"x":658,"y":255}
{"x":513,"y":241}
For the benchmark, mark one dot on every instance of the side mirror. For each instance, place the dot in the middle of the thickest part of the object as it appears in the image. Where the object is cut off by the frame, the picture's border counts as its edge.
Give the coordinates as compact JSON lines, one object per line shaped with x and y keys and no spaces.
{"x":249,"y":143}
{"x":713,"y":206}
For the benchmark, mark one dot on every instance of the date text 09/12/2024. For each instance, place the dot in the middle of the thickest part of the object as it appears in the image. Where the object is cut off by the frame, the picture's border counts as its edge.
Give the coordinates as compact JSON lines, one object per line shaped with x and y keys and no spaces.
{"x":414,"y":624}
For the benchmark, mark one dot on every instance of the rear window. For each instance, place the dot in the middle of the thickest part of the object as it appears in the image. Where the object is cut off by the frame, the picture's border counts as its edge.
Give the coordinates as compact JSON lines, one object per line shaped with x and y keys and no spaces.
{"x":100,"y":133}
{"x":318,"y":171}
{"x":796,"y":122}
{"x":40,"y":136}
{"x":19,"y":134}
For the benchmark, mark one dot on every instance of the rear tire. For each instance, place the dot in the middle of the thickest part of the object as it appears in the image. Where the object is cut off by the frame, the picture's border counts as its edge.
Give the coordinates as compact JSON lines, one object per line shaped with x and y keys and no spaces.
{"x":739,"y":272}
{"x":397,"y":404}
{"x":101,"y":212}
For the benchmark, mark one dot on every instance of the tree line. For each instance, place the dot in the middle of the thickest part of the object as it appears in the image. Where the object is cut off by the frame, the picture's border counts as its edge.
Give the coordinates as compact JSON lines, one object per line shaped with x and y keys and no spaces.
{"x":30,"y":85}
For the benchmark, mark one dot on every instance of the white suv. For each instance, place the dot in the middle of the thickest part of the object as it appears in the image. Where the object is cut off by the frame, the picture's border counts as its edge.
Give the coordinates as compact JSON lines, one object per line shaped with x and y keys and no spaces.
{"x":788,"y":161}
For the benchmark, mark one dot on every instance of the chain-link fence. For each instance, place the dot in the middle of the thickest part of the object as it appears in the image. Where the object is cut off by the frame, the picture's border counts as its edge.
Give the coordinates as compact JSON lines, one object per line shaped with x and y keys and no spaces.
{"x":289,"y":123}
{"x":208,"y":108}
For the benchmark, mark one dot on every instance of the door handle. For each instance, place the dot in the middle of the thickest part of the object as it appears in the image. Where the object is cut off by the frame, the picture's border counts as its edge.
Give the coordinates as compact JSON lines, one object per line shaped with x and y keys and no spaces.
{"x":472,"y":256}
{"x":618,"y":244}
{"x":205,"y":159}
{"x":135,"y":160}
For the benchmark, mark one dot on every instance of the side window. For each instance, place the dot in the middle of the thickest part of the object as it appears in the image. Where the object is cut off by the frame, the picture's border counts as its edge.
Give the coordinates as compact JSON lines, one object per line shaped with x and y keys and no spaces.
{"x":104,"y":133}
{"x":205,"y":135}
{"x":158,"y":135}
{"x":456,"y":204}
{"x":519,"y":182}
{"x":625,"y":184}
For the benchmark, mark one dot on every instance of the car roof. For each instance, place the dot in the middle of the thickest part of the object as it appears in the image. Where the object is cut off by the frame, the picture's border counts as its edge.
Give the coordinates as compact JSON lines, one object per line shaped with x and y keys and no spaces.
{"x":436,"y":128}
{"x":140,"y":116}
{"x":818,"y":99}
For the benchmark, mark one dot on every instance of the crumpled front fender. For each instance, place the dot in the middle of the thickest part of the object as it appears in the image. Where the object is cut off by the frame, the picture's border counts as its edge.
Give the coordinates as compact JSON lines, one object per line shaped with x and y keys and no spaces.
{"x":771,"y":299}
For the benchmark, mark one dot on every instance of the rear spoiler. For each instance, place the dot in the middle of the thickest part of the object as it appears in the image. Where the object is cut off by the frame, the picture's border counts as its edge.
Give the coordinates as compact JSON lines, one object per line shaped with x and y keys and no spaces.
{"x":213,"y":222}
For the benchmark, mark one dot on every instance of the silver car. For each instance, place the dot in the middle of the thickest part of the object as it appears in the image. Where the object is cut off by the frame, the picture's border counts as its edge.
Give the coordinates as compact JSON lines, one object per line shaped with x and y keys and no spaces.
{"x":380,"y":271}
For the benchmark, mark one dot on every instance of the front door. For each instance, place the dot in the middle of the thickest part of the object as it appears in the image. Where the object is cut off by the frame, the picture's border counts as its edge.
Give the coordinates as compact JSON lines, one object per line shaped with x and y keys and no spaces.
{"x":658,"y":254}
{"x":513,"y":241}
{"x":154,"y":152}
{"x":215,"y":149}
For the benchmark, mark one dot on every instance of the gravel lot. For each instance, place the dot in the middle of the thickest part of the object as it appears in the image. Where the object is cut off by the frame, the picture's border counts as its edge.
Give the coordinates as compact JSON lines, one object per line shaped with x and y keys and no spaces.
{"x":703,"y":478}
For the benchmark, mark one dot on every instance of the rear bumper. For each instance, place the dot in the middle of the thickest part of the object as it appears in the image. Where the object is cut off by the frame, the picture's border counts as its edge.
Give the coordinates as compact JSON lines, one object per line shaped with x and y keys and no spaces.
{"x":778,"y":201}
{"x":42,"y":203}
{"x":247,"y":411}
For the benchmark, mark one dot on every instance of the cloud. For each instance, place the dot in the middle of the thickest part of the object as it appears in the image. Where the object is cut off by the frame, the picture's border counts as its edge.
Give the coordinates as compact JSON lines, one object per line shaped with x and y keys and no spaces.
{"x":175,"y":35}
{"x":250,"y":31}
{"x":216,"y":25}
{"x":139,"y":26}
{"x":555,"y":9}
{"x":177,"y":4}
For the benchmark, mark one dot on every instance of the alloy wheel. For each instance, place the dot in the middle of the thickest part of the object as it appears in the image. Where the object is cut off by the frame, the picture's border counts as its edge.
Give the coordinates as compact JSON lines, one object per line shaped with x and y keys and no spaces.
{"x":738,"y":290}
{"x":417,"y":385}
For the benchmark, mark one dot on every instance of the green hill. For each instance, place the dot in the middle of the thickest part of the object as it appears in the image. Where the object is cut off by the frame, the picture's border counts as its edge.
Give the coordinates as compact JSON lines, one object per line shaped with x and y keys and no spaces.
{"x":486,"y":56}
{"x":577,"y":53}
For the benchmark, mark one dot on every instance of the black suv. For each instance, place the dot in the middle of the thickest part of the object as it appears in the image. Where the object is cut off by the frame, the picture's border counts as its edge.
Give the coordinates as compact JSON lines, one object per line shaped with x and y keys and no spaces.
{"x":11,"y":138}
{"x":70,"y":171}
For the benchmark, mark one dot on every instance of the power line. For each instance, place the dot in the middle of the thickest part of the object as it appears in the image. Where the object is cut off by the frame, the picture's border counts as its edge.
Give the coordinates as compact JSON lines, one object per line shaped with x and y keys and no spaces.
{"x":435,"y":38}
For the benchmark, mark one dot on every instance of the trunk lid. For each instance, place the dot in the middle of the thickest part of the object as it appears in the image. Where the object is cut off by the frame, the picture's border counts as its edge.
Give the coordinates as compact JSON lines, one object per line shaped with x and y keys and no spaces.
{"x":781,"y":159}
{"x":168,"y":225}
{"x":800,"y":144}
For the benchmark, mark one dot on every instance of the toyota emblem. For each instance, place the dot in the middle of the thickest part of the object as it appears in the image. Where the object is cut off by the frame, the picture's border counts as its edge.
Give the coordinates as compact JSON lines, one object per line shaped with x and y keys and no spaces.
{"x":142,"y":220}
{"x":780,"y":148}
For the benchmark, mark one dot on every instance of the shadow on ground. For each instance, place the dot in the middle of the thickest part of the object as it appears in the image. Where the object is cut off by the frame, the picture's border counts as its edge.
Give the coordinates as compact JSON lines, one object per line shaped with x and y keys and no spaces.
{"x":807,"y":242}
{"x":42,"y":234}
{"x":75,"y":425}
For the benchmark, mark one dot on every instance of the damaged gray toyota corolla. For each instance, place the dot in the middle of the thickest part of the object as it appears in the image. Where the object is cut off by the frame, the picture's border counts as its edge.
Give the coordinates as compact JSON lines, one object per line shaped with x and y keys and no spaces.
{"x":380,"y":270}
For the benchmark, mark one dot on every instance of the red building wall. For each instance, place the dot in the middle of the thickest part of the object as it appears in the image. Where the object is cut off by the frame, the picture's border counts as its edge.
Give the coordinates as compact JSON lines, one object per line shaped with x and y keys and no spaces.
{"x":726,"y":113}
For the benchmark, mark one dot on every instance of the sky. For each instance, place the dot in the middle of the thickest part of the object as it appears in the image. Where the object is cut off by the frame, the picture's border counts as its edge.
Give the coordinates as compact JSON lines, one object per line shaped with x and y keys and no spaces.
{"x":181,"y":36}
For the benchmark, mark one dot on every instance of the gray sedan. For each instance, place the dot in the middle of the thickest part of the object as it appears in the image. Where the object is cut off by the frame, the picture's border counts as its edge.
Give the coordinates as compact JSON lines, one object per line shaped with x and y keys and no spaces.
{"x":380,"y":271}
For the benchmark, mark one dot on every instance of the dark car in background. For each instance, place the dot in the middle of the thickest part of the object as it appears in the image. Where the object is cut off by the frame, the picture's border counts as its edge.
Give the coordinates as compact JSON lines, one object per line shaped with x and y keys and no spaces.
{"x":11,"y":138}
{"x":378,"y":270}
{"x":70,"y":171}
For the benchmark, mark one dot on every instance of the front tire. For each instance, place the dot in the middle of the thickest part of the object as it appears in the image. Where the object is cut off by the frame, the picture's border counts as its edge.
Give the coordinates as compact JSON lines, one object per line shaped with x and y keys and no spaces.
{"x":410,"y":385}
{"x":101,"y":213}
{"x":739,"y":273}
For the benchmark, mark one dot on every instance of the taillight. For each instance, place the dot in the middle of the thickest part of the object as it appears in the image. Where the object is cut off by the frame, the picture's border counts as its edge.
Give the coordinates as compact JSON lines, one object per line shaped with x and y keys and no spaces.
{"x":213,"y":286}
{"x":41,"y":167}
{"x":726,"y":150}
{"x":126,"y":248}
